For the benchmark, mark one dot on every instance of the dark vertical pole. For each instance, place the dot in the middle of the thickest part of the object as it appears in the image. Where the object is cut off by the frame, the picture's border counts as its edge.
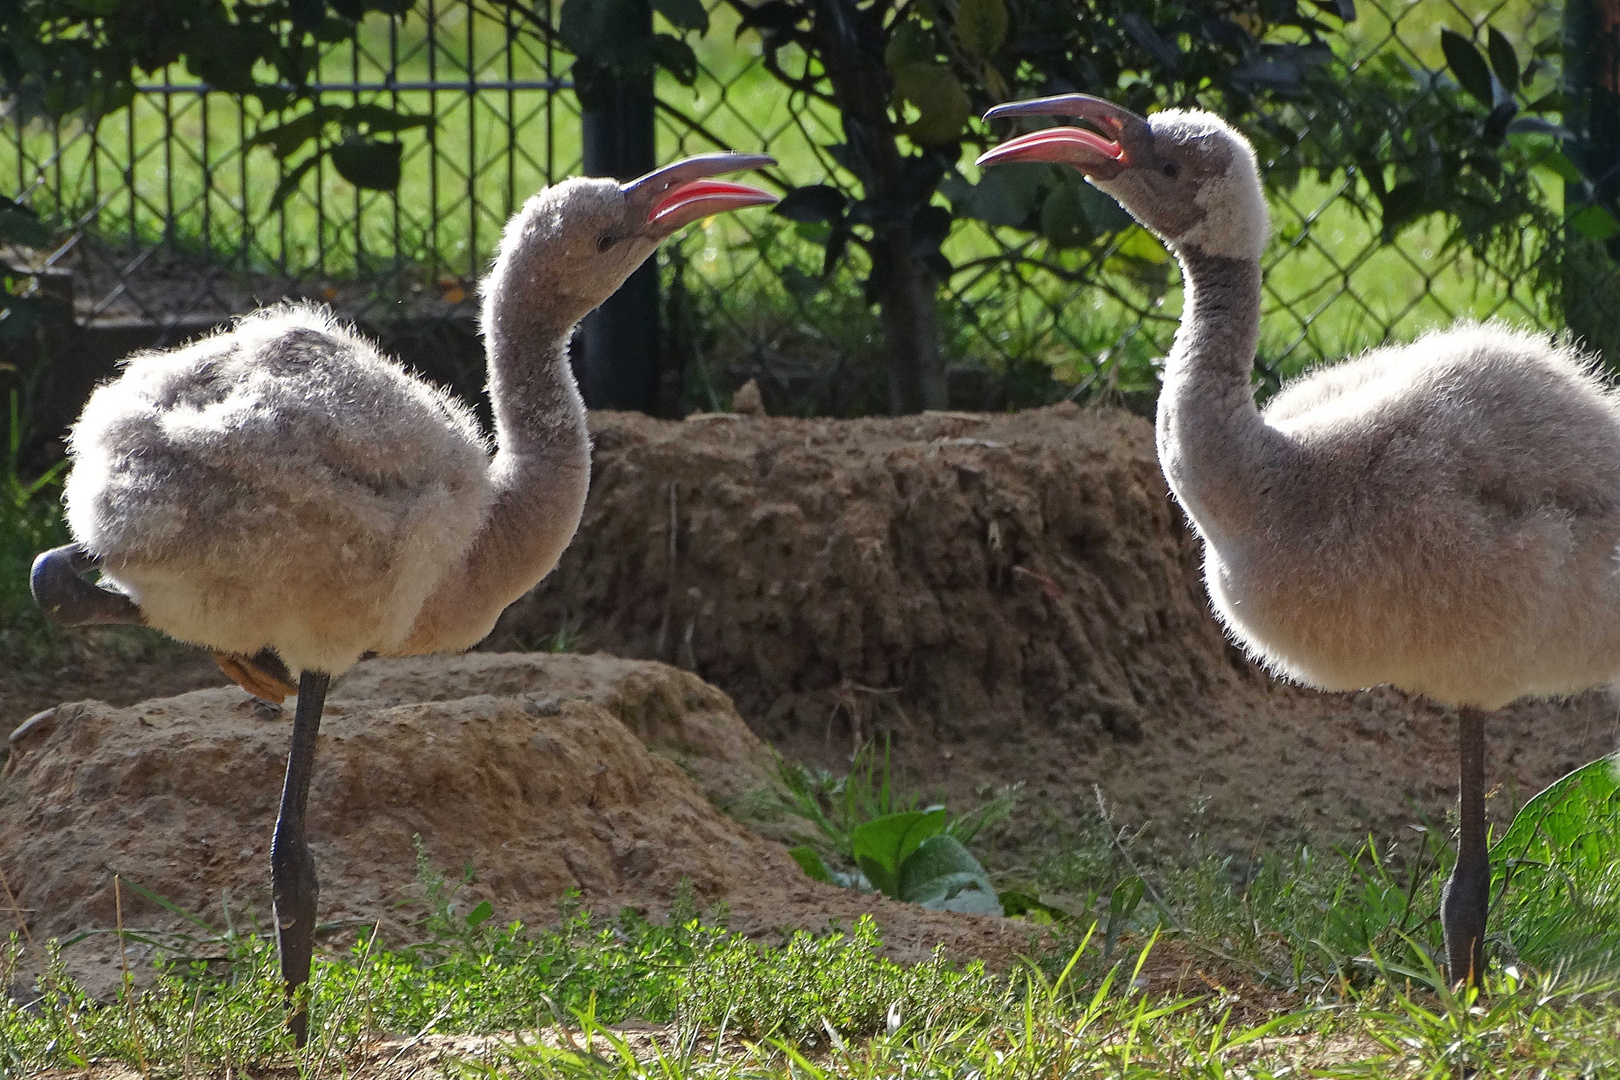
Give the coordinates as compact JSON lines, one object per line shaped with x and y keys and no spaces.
{"x":618,"y":347}
{"x":1592,"y":115}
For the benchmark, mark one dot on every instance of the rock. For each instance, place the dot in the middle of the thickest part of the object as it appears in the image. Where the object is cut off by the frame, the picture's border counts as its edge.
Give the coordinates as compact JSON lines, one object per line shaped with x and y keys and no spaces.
{"x":747,"y":401}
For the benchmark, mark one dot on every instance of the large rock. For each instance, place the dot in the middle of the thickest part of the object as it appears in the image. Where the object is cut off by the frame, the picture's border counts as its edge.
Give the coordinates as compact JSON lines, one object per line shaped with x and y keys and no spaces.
{"x":528,"y":769}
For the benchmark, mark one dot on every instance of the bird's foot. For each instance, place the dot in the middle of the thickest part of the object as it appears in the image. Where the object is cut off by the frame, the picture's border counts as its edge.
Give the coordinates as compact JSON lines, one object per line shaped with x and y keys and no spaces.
{"x":263,"y":675}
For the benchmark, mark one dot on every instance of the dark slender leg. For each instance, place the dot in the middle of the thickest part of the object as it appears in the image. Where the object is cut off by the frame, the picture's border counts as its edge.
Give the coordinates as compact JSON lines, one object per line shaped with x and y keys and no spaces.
{"x":1467,"y":894}
{"x":292,"y":868}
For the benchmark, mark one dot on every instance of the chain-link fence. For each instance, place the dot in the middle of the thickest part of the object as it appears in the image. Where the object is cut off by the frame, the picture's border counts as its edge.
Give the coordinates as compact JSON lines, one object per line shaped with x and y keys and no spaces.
{"x":168,"y":216}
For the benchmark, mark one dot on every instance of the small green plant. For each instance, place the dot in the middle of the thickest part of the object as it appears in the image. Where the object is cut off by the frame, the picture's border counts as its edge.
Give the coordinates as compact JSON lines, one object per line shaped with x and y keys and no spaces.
{"x":912,"y":853}
{"x":1556,"y":878}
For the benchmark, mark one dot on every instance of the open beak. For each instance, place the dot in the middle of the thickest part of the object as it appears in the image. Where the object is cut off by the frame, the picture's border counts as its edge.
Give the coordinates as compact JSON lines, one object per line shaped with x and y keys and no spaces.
{"x":1124,"y":141}
{"x":665,"y":199}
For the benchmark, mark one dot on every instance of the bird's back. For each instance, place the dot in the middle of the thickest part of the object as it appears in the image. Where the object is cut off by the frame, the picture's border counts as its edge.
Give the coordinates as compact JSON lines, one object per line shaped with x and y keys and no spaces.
{"x":281,"y":484}
{"x":1449,"y":523}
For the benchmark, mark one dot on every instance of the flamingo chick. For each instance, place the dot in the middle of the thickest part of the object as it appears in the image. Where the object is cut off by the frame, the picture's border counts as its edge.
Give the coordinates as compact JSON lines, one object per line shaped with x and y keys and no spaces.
{"x":1441,"y":516}
{"x":284,"y":494}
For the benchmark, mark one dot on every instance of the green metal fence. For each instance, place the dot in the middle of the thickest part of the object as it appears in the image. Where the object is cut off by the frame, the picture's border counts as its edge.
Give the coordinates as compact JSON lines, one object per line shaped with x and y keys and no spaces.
{"x":167,"y":215}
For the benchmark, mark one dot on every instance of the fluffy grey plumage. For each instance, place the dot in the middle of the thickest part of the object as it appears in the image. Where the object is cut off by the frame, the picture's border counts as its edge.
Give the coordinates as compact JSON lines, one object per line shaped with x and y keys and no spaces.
{"x":282,"y":486}
{"x":281,"y":483}
{"x":1441,"y":516}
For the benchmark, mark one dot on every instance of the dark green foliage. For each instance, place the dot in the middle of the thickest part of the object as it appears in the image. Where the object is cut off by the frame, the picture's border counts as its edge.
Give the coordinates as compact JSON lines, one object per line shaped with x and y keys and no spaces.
{"x":614,"y":41}
{"x":30,"y":522}
{"x":62,"y":56}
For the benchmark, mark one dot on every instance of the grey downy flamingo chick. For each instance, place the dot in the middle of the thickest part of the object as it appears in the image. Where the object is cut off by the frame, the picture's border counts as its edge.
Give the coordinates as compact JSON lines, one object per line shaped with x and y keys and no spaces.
{"x":1440,"y":516}
{"x":284,"y":494}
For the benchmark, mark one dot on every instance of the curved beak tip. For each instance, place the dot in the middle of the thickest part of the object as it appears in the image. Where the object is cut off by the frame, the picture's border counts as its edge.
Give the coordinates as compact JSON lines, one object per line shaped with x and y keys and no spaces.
{"x":688,"y":190}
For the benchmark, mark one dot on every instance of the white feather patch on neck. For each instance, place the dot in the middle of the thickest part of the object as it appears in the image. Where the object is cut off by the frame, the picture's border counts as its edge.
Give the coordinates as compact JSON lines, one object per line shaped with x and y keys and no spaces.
{"x":1236,"y":221}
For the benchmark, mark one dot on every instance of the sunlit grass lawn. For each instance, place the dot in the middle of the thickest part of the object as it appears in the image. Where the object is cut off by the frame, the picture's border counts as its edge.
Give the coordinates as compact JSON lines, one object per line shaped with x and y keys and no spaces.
{"x":1309,"y":966}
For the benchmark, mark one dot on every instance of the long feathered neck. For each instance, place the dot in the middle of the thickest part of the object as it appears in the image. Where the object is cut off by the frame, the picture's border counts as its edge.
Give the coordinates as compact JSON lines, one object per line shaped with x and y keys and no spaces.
{"x":1214,"y":447}
{"x":541,"y":469}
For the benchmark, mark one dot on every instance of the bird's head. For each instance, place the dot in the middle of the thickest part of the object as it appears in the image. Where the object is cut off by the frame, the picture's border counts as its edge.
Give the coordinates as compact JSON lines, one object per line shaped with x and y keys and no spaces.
{"x":572,"y":245}
{"x":1185,"y":174}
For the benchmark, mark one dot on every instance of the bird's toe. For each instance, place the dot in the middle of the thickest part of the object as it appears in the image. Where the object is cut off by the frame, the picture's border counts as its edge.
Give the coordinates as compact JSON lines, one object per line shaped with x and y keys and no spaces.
{"x":251,"y":675}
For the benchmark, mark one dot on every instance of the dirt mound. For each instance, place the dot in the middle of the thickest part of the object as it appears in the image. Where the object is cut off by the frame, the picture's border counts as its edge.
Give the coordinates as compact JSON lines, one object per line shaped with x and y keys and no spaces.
{"x":975,"y":570}
{"x":1012,"y":597}
{"x":541,"y":786}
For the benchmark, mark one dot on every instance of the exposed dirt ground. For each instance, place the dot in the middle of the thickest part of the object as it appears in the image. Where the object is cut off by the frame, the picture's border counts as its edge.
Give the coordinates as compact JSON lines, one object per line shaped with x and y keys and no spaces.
{"x":534,"y":770}
{"x":1011,"y":597}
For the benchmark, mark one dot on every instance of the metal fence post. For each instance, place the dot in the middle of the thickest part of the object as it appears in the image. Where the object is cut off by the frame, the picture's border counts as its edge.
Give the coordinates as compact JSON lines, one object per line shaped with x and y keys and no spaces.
{"x":1592,"y":115}
{"x":618,"y":365}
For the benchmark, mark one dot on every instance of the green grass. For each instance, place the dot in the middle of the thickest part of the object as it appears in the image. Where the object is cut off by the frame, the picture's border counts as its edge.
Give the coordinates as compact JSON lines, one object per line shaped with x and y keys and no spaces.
{"x":1302,"y":965}
{"x":827,"y":1004}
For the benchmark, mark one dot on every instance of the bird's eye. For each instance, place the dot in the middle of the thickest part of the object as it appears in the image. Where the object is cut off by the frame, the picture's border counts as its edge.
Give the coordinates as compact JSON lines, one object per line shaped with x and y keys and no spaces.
{"x":606,"y":242}
{"x":1171,"y":169}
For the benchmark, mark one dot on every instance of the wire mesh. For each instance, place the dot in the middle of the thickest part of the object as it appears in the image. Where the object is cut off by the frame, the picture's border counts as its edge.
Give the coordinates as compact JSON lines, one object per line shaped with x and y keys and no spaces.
{"x":168,"y":217}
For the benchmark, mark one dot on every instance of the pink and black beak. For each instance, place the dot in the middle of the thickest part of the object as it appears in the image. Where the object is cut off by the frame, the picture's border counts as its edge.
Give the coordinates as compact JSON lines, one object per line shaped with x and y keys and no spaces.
{"x":665,"y":199}
{"x":1122,"y":140}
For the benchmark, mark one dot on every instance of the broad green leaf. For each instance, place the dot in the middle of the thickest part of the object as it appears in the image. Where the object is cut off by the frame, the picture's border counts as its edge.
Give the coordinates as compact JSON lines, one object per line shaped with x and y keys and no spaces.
{"x":1402,"y":204}
{"x":1564,"y":167}
{"x":811,"y":863}
{"x":290,"y":181}
{"x":1595,"y":222}
{"x":1063,"y":217}
{"x":1005,"y":195}
{"x":882,"y":845}
{"x":1102,"y":210}
{"x":911,"y":43}
{"x":938,"y":95}
{"x":812,"y":203}
{"x":1473,"y":74}
{"x":684,"y":14}
{"x":1504,"y":61}
{"x":1535,"y":125}
{"x":1562,"y":812}
{"x":1557,"y":868}
{"x":368,"y":164}
{"x":285,"y":139}
{"x":981,"y":26}
{"x":943,"y":875}
{"x":479,"y":915}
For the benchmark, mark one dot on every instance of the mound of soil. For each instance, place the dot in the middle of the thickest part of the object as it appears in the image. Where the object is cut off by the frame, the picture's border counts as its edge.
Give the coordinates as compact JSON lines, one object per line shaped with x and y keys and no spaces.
{"x":1010,"y":597}
{"x":527,"y":768}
